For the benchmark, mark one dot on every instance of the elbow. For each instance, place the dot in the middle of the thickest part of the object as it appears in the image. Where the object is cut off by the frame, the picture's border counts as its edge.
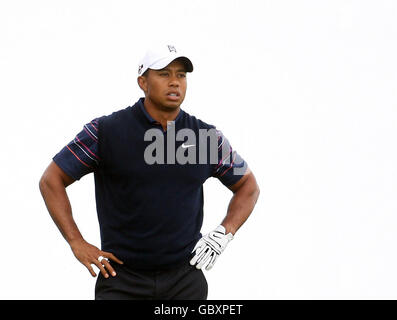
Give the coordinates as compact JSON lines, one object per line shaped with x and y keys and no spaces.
{"x":46,"y":181}
{"x":251,"y":188}
{"x":256,"y":192}
{"x":42,"y":183}
{"x":254,"y":187}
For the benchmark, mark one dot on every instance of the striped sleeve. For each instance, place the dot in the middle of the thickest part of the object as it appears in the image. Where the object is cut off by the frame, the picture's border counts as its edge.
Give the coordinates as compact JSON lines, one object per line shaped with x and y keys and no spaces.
{"x":231,"y":166}
{"x":80,"y":156}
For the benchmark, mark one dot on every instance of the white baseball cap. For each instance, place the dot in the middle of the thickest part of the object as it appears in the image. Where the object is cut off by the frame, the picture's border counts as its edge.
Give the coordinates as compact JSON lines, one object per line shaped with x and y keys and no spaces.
{"x":160,"y":57}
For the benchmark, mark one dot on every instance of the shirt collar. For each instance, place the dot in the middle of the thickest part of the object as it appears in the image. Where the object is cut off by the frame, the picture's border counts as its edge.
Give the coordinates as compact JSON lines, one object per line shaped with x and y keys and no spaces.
{"x":147,"y":115}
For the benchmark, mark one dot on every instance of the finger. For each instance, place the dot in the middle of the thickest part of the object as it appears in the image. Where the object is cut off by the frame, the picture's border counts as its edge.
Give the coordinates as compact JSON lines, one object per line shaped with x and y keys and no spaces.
{"x":108,"y":267}
{"x":201,"y":255}
{"x":203,"y":252}
{"x":199,"y":246}
{"x":199,"y":252}
{"x":204,"y":259}
{"x":202,"y":248}
{"x":194,"y":260}
{"x":111,"y":256}
{"x":213,"y":258}
{"x":90,"y":269}
{"x":101,"y":268}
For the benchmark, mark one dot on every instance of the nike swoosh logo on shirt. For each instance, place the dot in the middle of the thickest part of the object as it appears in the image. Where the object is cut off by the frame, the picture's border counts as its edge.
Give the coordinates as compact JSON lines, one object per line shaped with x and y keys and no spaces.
{"x":187,"y":145}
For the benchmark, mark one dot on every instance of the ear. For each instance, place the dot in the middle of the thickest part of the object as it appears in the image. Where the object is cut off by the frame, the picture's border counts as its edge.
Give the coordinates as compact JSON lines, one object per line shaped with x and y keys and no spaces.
{"x":142,"y":82}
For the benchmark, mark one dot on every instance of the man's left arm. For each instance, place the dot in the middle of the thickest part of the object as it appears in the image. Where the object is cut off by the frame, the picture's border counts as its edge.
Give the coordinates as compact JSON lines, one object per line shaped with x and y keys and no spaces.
{"x":210,"y":246}
{"x":245,"y":194}
{"x":234,"y":173}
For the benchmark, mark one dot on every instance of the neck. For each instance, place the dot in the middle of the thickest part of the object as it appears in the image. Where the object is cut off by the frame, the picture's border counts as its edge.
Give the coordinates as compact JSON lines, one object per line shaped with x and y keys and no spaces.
{"x":159,"y":113}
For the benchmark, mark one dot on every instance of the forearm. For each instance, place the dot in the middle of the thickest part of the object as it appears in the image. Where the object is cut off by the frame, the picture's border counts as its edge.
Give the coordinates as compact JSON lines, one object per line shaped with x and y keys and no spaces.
{"x":245,"y":195}
{"x":58,"y":205}
{"x":241,"y":205}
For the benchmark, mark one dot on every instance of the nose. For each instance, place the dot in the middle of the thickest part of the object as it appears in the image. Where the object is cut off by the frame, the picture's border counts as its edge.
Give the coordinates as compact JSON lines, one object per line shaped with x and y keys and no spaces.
{"x":174,"y":82}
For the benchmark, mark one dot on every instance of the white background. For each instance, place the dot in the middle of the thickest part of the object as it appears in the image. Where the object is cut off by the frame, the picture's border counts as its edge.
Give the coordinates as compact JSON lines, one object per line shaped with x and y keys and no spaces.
{"x":304,"y":90}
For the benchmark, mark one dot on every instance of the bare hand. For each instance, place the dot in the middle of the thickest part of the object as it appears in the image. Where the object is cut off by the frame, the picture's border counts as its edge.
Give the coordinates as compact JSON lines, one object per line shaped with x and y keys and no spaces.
{"x":88,"y":254}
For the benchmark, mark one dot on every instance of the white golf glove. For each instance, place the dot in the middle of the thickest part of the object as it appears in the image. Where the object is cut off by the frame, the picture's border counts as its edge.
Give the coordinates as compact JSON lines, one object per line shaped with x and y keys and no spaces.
{"x":209,"y":247}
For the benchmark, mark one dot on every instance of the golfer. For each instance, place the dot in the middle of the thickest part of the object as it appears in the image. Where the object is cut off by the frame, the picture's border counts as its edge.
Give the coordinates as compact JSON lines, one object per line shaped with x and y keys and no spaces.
{"x":150,"y":161}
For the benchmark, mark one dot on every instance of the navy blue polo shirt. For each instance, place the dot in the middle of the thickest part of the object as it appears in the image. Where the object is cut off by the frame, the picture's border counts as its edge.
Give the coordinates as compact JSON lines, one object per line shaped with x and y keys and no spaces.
{"x":150,"y":214}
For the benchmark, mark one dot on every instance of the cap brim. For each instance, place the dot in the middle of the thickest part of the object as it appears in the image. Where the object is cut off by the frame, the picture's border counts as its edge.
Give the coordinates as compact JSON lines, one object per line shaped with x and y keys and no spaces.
{"x":166,"y":61}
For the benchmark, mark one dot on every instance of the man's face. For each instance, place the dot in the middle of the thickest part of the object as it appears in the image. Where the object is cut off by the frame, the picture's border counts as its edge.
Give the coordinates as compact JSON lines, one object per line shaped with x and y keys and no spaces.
{"x":165,"y":87}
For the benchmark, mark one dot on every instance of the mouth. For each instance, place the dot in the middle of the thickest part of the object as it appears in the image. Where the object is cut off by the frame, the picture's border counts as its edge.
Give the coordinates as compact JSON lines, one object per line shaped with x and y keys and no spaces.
{"x":173,"y":95}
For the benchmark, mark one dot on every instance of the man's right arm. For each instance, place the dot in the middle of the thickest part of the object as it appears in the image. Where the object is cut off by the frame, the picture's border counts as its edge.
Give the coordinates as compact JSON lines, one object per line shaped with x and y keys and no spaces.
{"x":75,"y":160}
{"x":53,"y":184}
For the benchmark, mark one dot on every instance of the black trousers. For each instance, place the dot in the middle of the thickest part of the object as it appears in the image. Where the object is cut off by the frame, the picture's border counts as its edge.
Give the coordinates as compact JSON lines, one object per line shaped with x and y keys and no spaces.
{"x":184,"y":282}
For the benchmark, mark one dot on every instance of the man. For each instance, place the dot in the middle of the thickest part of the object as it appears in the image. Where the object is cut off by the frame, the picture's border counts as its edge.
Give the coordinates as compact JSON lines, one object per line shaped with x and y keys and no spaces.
{"x":149,"y":189}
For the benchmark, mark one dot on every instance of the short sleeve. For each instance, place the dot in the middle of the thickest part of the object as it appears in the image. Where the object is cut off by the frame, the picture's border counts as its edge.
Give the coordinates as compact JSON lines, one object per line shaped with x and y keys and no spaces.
{"x":231,"y":166}
{"x":80,"y":156}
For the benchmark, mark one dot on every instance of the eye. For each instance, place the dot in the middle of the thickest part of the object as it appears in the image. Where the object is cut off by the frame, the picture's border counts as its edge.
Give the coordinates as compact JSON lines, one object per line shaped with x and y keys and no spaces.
{"x":182,"y":75}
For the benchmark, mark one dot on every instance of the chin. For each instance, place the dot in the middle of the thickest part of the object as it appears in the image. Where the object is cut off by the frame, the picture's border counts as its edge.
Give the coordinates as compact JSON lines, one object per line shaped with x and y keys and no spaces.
{"x":172,"y":104}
